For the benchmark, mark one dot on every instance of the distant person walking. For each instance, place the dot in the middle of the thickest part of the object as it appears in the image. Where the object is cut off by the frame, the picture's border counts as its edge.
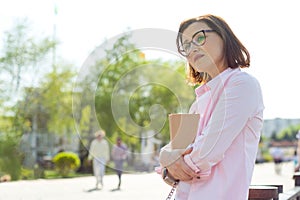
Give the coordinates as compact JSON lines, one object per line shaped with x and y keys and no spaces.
{"x":295,"y":161}
{"x":278,"y":156}
{"x":119,"y":154}
{"x":297,"y":154}
{"x":99,"y":153}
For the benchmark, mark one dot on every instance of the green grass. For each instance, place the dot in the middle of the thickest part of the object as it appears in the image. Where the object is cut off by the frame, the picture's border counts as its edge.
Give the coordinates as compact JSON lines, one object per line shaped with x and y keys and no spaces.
{"x":52,"y":174}
{"x":29,"y":174}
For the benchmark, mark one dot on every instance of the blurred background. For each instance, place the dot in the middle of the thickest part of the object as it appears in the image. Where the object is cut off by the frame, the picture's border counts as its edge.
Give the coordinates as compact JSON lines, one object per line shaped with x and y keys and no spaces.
{"x":70,"y":68}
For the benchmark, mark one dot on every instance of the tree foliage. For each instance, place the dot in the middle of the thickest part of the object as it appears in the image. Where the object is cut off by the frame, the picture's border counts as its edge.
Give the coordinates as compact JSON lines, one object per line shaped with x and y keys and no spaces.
{"x":22,"y":52}
{"x":30,"y":105}
{"x":46,"y":106}
{"x":130,"y":95}
{"x":289,"y":133}
{"x":135,"y":95}
{"x":10,"y":157}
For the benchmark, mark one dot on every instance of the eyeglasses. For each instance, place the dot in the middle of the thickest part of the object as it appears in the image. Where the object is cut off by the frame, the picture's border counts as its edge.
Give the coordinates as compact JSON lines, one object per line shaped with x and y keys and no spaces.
{"x":198,"y":39}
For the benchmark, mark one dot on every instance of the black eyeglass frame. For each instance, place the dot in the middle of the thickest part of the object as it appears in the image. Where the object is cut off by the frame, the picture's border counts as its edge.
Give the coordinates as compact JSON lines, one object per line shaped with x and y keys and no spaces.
{"x":184,"y":53}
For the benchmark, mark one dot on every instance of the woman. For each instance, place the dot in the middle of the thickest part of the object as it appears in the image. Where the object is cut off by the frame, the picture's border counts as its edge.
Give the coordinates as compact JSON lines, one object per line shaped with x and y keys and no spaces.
{"x":99,"y":156}
{"x":119,"y":155}
{"x":219,"y":164}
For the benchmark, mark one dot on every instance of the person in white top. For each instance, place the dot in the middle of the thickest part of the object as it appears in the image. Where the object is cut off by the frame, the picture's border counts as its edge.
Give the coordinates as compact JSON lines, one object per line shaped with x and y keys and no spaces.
{"x":99,"y":153}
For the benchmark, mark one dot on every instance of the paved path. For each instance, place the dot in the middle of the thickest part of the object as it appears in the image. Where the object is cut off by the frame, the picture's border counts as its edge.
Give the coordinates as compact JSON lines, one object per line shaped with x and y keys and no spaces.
{"x":145,"y":186}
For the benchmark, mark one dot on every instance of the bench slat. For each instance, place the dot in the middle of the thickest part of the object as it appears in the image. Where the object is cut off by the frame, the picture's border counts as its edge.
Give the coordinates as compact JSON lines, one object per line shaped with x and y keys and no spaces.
{"x":257,"y":192}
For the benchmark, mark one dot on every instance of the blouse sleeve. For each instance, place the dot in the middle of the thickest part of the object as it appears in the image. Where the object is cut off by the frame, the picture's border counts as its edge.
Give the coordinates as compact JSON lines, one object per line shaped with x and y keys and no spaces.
{"x":240,"y":101}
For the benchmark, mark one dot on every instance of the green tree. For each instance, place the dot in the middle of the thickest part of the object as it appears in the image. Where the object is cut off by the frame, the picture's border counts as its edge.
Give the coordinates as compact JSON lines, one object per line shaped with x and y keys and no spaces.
{"x":274,"y":136}
{"x":47,"y":106}
{"x":10,"y":157}
{"x":134,"y":95}
{"x":289,"y":133}
{"x":22,"y":55}
{"x":23,"y":52}
{"x":57,"y":100}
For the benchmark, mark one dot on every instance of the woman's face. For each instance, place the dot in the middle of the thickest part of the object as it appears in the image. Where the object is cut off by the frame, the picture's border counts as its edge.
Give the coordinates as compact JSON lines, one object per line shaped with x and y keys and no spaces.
{"x":206,"y":58}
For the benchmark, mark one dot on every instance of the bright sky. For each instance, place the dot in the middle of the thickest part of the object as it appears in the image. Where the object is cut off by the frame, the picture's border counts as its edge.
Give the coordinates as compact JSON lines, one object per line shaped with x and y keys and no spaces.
{"x":267,"y":28}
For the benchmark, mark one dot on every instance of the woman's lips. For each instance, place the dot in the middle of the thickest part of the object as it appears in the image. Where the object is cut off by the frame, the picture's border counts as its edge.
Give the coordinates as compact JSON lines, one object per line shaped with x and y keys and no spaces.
{"x":197,"y":57}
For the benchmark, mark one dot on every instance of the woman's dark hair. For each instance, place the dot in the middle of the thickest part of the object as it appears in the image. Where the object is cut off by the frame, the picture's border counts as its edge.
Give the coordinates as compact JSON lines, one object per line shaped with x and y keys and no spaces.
{"x":235,"y":52}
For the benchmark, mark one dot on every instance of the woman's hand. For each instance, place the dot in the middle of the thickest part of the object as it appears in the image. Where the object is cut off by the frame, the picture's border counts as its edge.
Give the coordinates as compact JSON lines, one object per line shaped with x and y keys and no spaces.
{"x":173,"y":160}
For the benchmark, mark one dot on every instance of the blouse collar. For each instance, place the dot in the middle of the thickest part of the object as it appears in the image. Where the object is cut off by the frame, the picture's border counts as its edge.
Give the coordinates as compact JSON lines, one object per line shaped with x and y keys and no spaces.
{"x":215,"y":82}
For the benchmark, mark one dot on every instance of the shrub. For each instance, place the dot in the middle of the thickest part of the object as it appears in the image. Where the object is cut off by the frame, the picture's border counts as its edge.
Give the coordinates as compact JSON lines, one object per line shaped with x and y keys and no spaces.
{"x":10,"y":157}
{"x":27,"y":174}
{"x":65,"y":162}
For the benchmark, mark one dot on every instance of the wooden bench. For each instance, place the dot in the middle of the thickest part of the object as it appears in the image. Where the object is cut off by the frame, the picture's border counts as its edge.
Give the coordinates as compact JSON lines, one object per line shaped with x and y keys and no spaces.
{"x":264,"y":192}
{"x":292,"y":194}
{"x":267,"y":192}
{"x":297,"y":178}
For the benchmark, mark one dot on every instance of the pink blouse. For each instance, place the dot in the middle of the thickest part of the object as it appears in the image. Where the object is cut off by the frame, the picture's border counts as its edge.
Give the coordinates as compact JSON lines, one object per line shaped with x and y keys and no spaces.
{"x":231,"y":118}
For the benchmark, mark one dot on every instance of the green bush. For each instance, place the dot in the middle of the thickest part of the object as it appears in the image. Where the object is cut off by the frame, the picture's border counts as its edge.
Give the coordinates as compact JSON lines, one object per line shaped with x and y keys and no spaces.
{"x":10,"y":157}
{"x":66,"y":162}
{"x":268,"y":157}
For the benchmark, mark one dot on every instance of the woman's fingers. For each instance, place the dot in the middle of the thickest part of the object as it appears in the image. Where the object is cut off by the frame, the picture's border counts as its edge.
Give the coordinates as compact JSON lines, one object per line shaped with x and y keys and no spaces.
{"x":173,"y":160}
{"x":180,"y":170}
{"x":187,"y":151}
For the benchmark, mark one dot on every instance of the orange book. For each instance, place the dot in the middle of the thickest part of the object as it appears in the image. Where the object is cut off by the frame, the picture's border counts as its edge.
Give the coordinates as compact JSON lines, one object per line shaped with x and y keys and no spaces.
{"x":183,"y":129}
